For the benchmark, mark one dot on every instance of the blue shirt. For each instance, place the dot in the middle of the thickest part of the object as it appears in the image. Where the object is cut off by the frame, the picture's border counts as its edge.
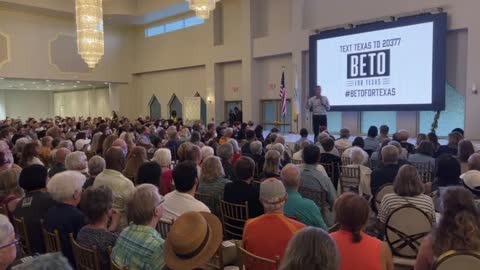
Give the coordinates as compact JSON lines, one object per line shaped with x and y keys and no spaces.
{"x":304,"y":210}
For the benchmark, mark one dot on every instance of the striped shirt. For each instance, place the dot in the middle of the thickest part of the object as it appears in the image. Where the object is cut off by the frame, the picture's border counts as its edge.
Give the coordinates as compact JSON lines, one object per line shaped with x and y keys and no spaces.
{"x":392,"y":201}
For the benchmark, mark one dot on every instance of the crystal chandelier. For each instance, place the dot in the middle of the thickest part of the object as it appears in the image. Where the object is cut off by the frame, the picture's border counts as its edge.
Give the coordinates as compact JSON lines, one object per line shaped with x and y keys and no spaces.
{"x":202,"y":8}
{"x":90,"y":40}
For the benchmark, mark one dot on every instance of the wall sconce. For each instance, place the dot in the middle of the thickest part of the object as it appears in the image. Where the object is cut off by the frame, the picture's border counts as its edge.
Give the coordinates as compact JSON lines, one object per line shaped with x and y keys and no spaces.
{"x":209,"y":100}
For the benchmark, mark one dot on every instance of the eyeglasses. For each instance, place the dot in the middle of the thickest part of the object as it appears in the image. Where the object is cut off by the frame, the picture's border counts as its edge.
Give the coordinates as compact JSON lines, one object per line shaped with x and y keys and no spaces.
{"x":159,"y":203}
{"x":12,"y":243}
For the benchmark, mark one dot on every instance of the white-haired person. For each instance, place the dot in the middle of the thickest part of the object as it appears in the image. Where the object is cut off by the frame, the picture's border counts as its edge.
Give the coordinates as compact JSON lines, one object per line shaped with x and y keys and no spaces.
{"x":268,"y":235}
{"x":77,"y":161}
{"x":284,"y":157}
{"x":344,"y":141}
{"x":256,"y":150}
{"x":140,"y":246}
{"x":206,"y":152}
{"x":227,"y":136}
{"x":65,"y":188}
{"x":272,"y":164}
{"x":8,"y":243}
{"x":287,"y":152}
{"x":357,"y":158}
{"x":163,"y":157}
{"x":96,"y":165}
{"x":225,"y":153}
{"x":236,"y":150}
{"x":6,"y":157}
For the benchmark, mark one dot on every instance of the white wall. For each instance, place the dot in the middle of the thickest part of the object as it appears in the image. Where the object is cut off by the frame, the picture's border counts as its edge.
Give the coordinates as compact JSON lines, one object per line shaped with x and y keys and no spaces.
{"x":30,"y":36}
{"x":183,"y":83}
{"x":25,"y":104}
{"x":95,"y":102}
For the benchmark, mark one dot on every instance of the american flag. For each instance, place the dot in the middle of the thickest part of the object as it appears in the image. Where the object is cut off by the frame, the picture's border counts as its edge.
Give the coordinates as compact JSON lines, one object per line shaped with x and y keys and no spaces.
{"x":283,"y":95}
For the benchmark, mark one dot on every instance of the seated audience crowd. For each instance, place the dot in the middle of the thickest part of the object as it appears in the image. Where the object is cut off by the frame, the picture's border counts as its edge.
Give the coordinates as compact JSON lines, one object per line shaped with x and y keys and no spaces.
{"x":155,"y":193}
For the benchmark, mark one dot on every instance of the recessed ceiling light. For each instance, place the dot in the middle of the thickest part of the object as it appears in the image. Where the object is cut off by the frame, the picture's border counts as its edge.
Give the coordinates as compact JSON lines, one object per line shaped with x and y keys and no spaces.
{"x":62,"y":83}
{"x":75,"y":86}
{"x":49,"y":85}
{"x":21,"y":84}
{"x":78,"y":81}
{"x":10,"y":86}
{"x":105,"y":83}
{"x":34,"y":82}
{"x":47,"y":80}
{"x":2,"y":78}
{"x":24,"y":88}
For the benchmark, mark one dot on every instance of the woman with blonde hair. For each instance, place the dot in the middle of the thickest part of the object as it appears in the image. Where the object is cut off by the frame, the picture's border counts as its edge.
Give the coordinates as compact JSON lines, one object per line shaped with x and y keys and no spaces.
{"x":129,"y":140}
{"x":212,"y":180}
{"x":271,"y":167}
{"x":310,"y":248}
{"x":10,"y":191}
{"x":408,"y":189}
{"x":135,"y":159}
{"x":458,"y":228}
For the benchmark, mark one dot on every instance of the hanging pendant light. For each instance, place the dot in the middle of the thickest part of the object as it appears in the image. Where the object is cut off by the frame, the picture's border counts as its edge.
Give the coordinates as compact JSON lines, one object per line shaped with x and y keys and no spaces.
{"x":202,"y":8}
{"x":90,"y":39}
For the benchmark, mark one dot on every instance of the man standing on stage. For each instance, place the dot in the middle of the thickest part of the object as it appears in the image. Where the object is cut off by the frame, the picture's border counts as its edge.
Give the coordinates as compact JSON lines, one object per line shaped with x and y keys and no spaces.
{"x":319,"y":106}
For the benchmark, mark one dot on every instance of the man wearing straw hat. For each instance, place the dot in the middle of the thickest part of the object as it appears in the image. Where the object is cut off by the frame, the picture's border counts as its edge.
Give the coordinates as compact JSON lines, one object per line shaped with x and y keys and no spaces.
{"x":193,"y":240}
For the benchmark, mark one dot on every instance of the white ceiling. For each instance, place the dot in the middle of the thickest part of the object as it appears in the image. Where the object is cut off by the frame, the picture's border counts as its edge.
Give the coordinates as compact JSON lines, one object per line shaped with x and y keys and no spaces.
{"x":48,"y":85}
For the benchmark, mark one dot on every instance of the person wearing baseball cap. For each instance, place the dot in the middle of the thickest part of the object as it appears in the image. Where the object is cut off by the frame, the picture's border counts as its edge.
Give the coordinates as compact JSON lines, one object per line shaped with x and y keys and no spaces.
{"x":268,"y":235}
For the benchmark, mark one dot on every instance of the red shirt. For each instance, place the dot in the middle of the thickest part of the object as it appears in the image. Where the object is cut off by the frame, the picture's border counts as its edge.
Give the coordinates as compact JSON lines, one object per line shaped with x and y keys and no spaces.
{"x":166,"y":182}
{"x":268,"y":235}
{"x":367,"y":252}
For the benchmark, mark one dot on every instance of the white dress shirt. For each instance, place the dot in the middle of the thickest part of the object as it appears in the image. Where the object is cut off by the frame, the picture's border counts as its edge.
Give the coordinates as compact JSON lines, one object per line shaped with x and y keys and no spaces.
{"x":176,"y":203}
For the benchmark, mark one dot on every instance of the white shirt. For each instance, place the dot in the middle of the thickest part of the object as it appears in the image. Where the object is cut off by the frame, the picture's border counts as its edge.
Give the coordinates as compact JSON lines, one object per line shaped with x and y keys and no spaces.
{"x":176,"y":203}
{"x":298,"y":155}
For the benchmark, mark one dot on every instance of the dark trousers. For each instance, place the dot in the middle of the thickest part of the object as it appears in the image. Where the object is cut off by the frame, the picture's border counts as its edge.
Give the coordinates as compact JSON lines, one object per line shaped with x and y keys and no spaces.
{"x":317,"y":121}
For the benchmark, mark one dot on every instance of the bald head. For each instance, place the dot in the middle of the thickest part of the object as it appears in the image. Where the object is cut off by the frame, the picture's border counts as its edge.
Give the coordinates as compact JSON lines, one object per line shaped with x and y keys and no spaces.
{"x":474,"y":162}
{"x":122,"y":144}
{"x":290,"y":175}
{"x":280,"y":139}
{"x":114,"y":159}
{"x":61,"y":154}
